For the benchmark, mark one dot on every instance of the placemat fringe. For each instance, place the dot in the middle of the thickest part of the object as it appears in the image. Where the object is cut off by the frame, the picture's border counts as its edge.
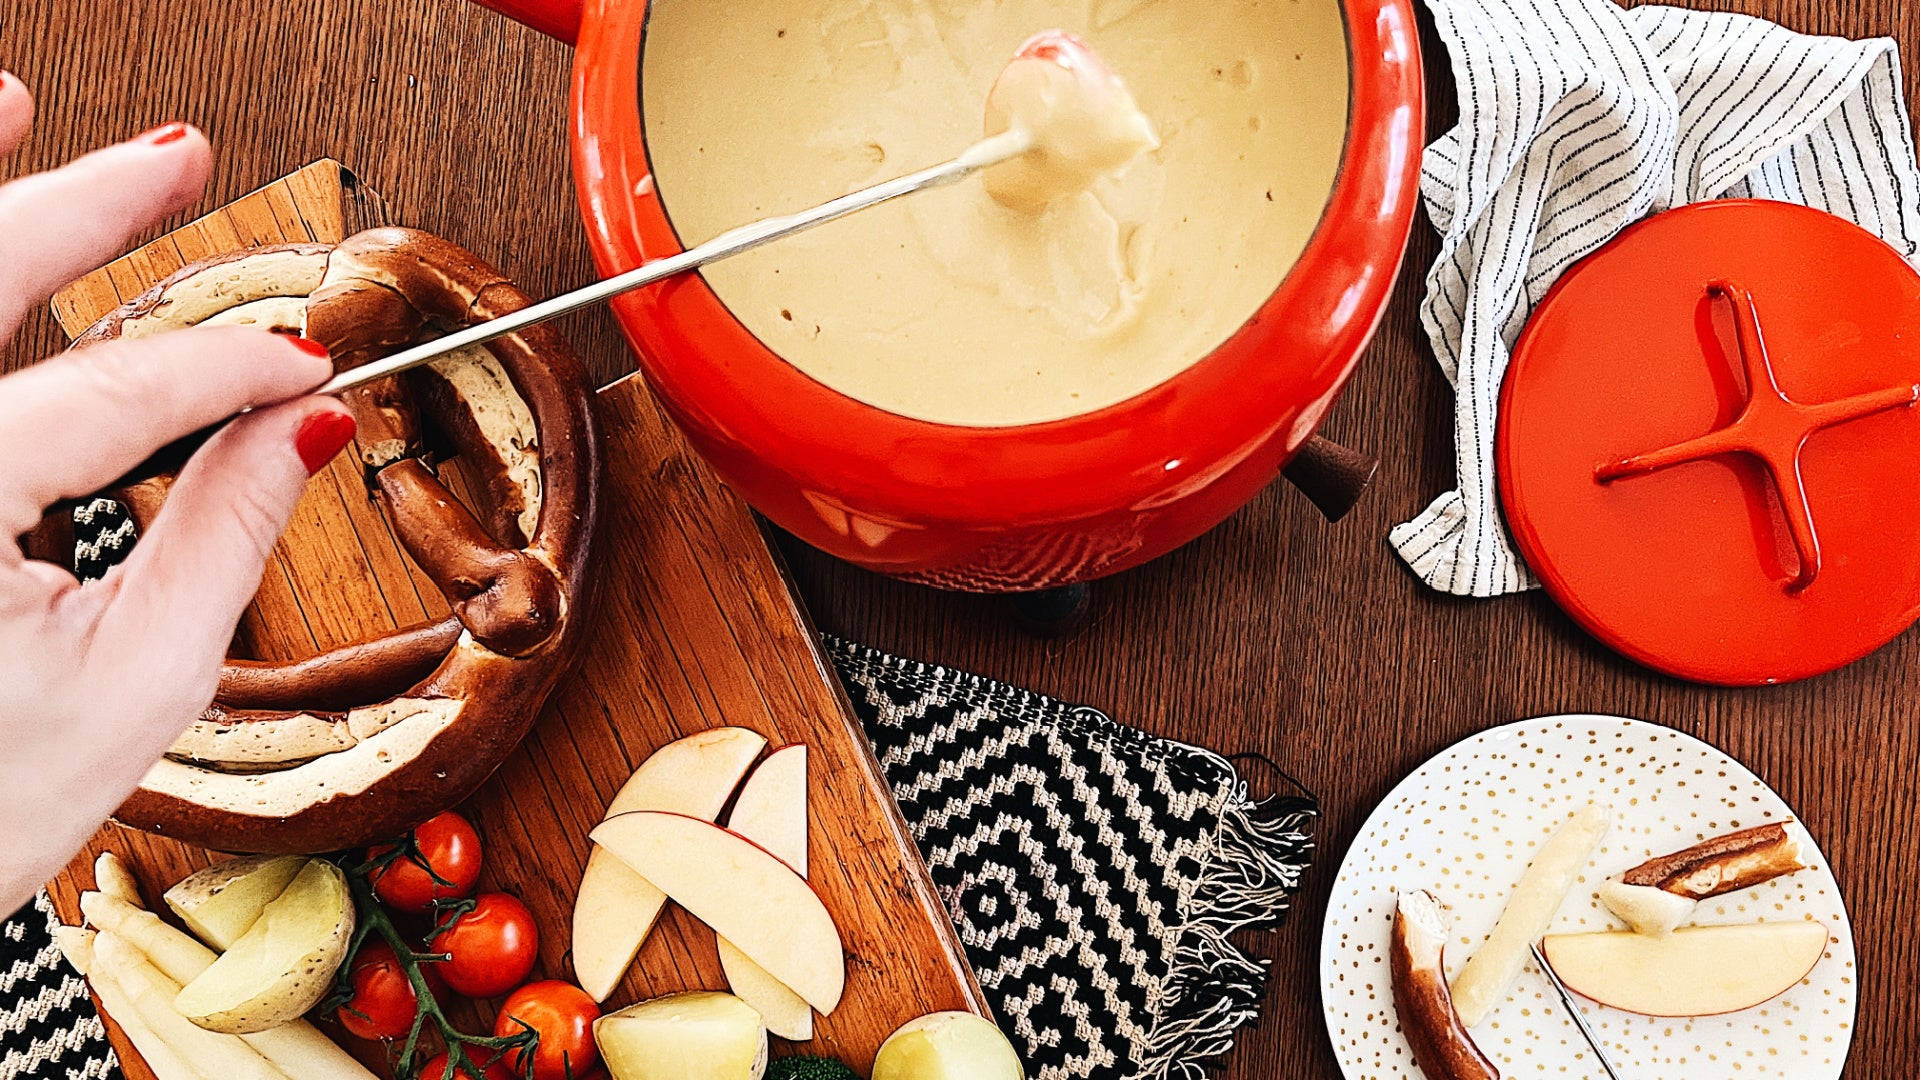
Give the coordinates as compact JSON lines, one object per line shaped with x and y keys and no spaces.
{"x":1254,"y":865}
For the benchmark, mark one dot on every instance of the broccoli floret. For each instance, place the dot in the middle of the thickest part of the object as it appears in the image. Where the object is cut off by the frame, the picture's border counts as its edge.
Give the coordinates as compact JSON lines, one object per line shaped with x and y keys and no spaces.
{"x":808,"y":1068}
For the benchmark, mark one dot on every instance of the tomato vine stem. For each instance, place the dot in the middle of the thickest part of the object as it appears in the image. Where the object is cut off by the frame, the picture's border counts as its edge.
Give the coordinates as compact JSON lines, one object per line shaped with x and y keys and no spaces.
{"x":373,"y":918}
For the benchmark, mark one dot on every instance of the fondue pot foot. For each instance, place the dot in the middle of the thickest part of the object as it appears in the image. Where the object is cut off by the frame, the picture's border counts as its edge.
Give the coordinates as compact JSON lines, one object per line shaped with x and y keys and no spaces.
{"x":1052,"y":612}
{"x":1332,"y":476}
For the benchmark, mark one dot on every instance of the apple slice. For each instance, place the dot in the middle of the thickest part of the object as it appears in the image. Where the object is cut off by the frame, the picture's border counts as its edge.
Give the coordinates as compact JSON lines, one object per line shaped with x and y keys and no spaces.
{"x":745,"y":894}
{"x":772,"y":812}
{"x":616,"y":908}
{"x":1694,"y":971}
{"x":772,"y":808}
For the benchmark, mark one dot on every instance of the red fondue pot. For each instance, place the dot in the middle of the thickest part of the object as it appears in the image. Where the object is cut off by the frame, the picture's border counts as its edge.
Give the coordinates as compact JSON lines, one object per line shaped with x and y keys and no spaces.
{"x":1008,"y":508}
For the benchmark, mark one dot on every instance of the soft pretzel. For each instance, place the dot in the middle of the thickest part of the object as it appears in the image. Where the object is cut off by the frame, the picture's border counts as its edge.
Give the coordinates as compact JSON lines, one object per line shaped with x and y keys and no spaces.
{"x":363,"y":741}
{"x":1441,"y":1046}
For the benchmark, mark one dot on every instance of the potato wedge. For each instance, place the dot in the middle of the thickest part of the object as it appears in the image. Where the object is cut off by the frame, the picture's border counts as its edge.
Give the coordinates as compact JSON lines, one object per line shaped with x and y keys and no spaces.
{"x":948,"y":1046}
{"x":692,"y":1036}
{"x":283,"y":965}
{"x":220,"y":903}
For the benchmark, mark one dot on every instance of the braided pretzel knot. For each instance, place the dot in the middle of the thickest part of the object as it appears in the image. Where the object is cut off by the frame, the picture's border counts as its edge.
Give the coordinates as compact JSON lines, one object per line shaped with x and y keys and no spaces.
{"x":370,"y":738}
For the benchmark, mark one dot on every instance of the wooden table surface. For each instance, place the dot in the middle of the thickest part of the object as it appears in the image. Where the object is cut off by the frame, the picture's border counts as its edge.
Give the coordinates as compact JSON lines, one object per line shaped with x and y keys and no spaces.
{"x":1277,"y":634}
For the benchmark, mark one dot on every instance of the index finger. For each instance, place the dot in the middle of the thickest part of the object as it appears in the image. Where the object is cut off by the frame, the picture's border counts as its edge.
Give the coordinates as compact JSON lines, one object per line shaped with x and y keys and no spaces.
{"x":57,"y":225}
{"x":84,"y":418}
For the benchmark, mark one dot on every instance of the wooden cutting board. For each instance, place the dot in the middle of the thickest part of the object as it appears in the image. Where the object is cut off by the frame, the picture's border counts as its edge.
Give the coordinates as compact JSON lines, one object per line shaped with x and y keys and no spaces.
{"x":697,"y":628}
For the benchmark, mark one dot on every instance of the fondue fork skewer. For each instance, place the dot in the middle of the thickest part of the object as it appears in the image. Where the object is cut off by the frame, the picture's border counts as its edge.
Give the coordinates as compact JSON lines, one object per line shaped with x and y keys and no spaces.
{"x":981,"y":155}
{"x":1573,"y":1010}
{"x":984,"y":154}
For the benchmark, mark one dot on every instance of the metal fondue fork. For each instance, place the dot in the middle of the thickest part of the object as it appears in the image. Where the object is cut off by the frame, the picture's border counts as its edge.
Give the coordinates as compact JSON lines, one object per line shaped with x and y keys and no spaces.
{"x":983,"y":154}
{"x":1573,"y":1010}
{"x":987,"y":152}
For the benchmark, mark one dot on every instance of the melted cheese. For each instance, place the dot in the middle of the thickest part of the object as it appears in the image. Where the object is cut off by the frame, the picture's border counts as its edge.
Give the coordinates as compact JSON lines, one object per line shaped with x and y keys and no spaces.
{"x":950,"y":306}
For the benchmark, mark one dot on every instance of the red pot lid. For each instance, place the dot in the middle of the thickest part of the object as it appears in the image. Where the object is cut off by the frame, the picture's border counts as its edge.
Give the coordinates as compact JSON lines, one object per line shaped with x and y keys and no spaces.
{"x":1709,"y":449}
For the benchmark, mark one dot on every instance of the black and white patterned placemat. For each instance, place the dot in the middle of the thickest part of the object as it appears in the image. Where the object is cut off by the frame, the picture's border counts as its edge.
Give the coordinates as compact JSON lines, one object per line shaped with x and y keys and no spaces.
{"x":1096,"y":875}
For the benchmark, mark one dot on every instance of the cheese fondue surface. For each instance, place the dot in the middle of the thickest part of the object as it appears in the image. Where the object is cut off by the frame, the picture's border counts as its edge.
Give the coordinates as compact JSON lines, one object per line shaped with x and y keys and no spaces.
{"x":948,"y":305}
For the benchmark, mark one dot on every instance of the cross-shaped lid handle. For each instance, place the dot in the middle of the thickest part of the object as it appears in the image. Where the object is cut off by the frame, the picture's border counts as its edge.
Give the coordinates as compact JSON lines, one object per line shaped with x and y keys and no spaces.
{"x":1772,"y":428}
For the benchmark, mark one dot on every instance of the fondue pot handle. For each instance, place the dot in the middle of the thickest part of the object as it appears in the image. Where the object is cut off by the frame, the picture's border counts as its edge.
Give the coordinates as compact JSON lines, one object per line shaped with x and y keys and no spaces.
{"x":1332,"y":476}
{"x":556,"y":18}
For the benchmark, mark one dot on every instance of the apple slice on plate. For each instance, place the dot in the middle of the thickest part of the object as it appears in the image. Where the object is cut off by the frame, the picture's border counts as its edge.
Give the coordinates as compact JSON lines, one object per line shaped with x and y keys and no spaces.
{"x":745,"y":894}
{"x":616,"y":908}
{"x":1694,"y":971}
{"x":772,"y":812}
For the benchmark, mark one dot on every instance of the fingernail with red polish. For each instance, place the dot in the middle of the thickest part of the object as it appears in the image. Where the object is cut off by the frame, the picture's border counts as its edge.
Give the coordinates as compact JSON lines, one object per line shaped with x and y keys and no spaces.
{"x":164,"y":134}
{"x":311,"y":347}
{"x":321,"y":436}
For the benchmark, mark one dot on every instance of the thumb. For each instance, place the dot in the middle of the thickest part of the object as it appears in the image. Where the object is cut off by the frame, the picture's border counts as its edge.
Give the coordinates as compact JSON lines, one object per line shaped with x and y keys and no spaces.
{"x":198,"y":566}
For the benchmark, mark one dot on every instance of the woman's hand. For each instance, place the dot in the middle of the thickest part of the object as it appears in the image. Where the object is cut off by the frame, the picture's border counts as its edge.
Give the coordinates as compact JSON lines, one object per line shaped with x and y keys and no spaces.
{"x":97,"y":680}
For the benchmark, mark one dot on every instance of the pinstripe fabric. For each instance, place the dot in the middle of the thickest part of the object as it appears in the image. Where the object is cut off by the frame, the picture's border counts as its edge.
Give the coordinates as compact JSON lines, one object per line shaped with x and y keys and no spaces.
{"x":1577,"y":119}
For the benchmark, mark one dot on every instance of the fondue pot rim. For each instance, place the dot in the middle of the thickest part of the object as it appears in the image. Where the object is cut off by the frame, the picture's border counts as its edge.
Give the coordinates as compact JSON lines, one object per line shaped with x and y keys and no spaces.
{"x":1274,"y":378}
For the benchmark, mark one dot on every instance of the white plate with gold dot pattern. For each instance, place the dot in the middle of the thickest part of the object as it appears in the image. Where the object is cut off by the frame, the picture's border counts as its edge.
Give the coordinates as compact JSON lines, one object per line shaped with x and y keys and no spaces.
{"x":1465,"y":825}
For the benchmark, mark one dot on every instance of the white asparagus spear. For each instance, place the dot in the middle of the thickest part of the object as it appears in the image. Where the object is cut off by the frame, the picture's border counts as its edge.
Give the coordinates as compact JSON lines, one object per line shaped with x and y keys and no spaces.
{"x":302,"y":1052}
{"x":298,"y":1048}
{"x":76,"y":944}
{"x":112,"y":877}
{"x":143,"y":987}
{"x":162,"y":1059}
{"x":170,"y":950}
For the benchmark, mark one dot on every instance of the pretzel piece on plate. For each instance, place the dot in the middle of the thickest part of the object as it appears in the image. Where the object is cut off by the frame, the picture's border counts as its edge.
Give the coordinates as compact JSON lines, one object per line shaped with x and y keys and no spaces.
{"x":1723,"y":864}
{"x":363,"y":741}
{"x":1441,"y":1046}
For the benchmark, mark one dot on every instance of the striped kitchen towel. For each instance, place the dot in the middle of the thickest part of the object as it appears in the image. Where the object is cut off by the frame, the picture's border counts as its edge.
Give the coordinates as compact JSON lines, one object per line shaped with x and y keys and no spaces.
{"x":1578,"y":118}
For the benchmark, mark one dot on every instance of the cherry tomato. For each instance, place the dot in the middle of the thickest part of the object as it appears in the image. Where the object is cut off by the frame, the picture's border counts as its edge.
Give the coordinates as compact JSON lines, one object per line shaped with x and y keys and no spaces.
{"x":450,"y":846}
{"x":563,"y":1015}
{"x":491,"y":949}
{"x":436,"y":1067}
{"x":383,"y":1003}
